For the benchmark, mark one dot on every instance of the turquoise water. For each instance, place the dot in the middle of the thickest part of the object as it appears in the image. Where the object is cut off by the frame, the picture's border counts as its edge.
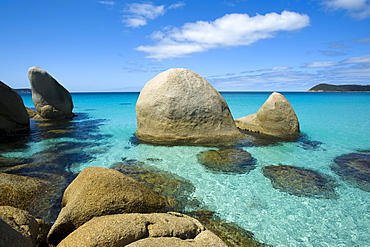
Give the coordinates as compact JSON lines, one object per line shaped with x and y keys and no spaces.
{"x":332,"y":123}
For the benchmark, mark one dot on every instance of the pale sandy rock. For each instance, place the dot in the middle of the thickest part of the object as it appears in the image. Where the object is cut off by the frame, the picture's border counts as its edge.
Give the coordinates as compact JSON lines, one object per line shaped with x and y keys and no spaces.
{"x":180,"y":107}
{"x":100,"y":191}
{"x":157,"y":229}
{"x":276,"y":117}
{"x":51,"y":99}
{"x":13,"y":114}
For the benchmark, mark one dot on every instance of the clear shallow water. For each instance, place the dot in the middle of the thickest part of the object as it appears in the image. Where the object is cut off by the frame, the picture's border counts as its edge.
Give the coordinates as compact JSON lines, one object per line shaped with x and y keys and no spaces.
{"x":339,"y":123}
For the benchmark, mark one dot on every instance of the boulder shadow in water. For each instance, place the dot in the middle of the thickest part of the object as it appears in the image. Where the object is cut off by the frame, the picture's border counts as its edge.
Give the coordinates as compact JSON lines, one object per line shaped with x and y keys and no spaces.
{"x":67,"y":143}
{"x":354,"y":168}
{"x":299,"y":181}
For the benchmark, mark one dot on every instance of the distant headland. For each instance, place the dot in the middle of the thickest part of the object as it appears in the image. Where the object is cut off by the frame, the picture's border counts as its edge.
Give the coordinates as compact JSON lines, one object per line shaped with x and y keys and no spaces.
{"x":23,"y":90}
{"x":339,"y":88}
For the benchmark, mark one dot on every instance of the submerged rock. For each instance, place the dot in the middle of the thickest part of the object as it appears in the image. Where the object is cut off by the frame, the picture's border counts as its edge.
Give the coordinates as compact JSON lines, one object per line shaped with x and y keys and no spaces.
{"x":180,"y":107}
{"x":35,"y":188}
{"x":276,"y":117}
{"x":19,"y":191}
{"x":52,"y":100}
{"x":354,"y":168}
{"x":227,"y":160}
{"x":232,"y":234}
{"x":301,"y":182}
{"x":13,"y":114}
{"x":165,"y":183}
{"x":100,"y":191}
{"x":169,"y":229}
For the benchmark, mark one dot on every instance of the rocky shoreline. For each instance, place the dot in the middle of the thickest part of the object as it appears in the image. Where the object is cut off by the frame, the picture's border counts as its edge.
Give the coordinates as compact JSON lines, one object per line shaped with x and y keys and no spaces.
{"x":131,"y":203}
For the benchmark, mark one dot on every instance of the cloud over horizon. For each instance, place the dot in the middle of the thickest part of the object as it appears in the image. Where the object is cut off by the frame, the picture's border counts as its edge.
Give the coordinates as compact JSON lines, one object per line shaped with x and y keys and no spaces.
{"x":353,"y":70}
{"x":230,"y":30}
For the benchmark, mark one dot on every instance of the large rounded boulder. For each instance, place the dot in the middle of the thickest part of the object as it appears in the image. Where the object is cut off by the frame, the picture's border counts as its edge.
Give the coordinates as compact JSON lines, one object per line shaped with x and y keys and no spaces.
{"x":13,"y":114}
{"x":100,"y":191}
{"x":180,"y":107}
{"x":276,"y":117}
{"x":51,"y":99}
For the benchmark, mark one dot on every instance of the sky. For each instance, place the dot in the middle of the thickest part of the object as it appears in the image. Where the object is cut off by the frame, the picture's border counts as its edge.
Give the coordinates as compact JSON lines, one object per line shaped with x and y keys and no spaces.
{"x":237,"y":45}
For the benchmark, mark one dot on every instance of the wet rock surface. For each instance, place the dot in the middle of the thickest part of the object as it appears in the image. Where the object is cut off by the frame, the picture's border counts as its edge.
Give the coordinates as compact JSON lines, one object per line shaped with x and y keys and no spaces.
{"x":301,"y":182}
{"x":231,"y":161}
{"x":354,"y":168}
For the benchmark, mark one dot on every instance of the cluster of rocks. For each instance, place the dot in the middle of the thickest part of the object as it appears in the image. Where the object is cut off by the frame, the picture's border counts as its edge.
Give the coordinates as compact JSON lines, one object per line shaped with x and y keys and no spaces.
{"x":103,"y":207}
{"x":51,"y":100}
{"x":180,"y":107}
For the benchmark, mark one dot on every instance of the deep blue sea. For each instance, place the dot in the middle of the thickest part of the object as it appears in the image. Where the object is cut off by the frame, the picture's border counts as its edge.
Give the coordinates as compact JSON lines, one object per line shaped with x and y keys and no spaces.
{"x":332,"y":124}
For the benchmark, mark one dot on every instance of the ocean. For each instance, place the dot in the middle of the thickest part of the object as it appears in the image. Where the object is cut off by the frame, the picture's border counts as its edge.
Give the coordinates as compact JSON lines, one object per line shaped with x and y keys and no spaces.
{"x":332,"y":124}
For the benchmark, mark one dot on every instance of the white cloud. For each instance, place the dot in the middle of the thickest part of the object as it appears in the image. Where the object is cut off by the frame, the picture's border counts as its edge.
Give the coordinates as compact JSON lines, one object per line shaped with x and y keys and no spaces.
{"x":138,"y":14}
{"x":176,"y":5}
{"x":111,"y":3}
{"x":320,"y":65}
{"x":228,"y":31}
{"x":358,"y":9}
{"x":358,"y":60}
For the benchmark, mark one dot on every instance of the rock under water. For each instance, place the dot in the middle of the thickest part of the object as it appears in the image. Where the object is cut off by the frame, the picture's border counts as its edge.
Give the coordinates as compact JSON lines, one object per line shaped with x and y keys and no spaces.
{"x":232,"y":161}
{"x":299,"y":181}
{"x":354,"y":168}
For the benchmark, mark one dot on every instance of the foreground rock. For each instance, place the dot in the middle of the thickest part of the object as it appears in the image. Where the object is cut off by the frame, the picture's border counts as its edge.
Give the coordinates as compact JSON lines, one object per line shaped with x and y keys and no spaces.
{"x":354,"y":168}
{"x":157,"y":229}
{"x":13,"y":115}
{"x":100,"y":191}
{"x":276,"y":117}
{"x":18,"y":228}
{"x":301,"y":182}
{"x":180,"y":107}
{"x":52,"y":100}
{"x":227,"y":160}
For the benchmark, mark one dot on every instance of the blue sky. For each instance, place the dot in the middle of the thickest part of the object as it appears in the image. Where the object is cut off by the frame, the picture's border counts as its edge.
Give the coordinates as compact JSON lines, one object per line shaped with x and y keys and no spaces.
{"x":237,"y":45}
